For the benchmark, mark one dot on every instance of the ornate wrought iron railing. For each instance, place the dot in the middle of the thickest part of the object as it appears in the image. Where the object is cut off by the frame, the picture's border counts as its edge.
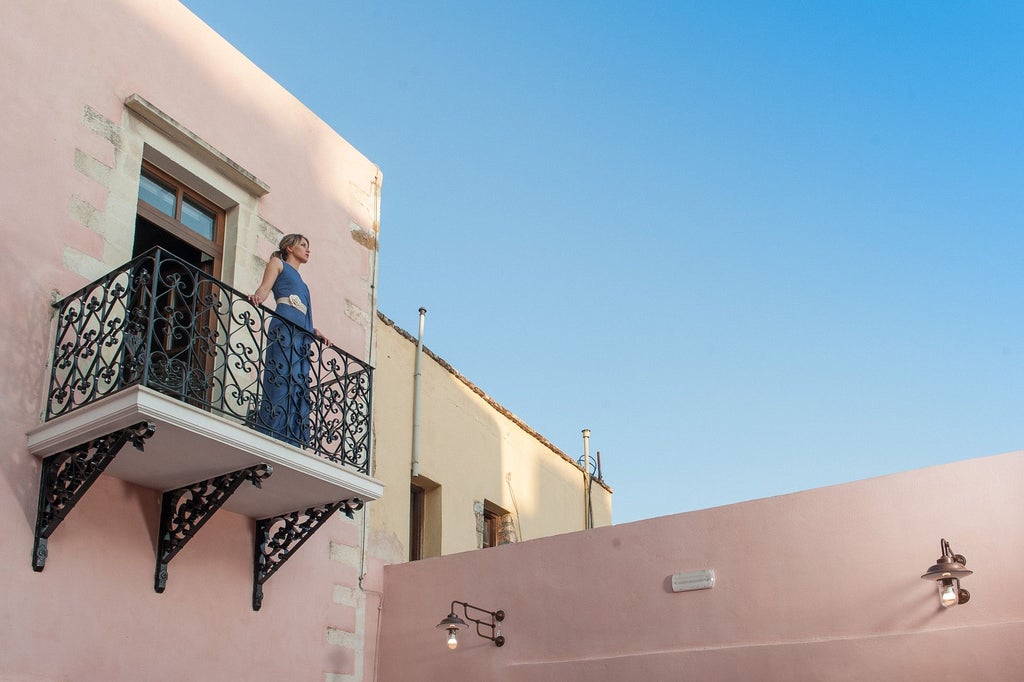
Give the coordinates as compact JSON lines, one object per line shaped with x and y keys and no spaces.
{"x":162,"y":323}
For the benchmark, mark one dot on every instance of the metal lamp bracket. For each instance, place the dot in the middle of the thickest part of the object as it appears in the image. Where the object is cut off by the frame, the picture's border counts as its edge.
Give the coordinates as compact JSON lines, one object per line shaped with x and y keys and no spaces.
{"x":492,"y":624}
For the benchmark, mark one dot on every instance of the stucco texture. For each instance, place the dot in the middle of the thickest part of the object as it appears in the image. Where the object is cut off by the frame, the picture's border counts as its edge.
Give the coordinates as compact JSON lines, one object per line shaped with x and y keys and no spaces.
{"x":66,"y":69}
{"x":470,"y":446}
{"x":818,"y":585}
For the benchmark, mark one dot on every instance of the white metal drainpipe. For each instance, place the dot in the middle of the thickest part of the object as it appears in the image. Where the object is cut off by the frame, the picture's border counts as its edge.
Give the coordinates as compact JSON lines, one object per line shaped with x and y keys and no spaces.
{"x":416,"y":399}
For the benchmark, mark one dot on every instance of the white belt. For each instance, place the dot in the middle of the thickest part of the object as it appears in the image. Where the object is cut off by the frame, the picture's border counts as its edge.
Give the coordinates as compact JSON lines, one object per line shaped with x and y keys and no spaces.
{"x":295,"y":302}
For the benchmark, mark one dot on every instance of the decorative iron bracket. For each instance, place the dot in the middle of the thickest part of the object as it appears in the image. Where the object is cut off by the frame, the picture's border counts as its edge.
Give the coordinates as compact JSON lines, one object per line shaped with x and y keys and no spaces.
{"x":183,"y":512}
{"x":66,"y":476}
{"x":292,"y":529}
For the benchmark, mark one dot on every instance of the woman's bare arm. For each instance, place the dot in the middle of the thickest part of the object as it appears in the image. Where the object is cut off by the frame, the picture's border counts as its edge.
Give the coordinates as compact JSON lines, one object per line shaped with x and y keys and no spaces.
{"x":274,"y":268}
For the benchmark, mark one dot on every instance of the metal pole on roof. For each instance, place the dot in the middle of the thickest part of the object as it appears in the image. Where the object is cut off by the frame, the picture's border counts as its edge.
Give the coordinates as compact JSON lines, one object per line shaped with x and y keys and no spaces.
{"x":417,"y":375}
{"x":588,"y":520}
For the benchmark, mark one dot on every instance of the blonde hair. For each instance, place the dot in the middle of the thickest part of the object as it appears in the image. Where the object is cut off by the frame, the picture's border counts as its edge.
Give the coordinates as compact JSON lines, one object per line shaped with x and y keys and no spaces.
{"x":287,"y":242}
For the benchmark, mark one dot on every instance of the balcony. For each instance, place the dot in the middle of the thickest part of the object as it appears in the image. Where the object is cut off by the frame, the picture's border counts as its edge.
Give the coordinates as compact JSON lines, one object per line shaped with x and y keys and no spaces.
{"x":163,"y":356}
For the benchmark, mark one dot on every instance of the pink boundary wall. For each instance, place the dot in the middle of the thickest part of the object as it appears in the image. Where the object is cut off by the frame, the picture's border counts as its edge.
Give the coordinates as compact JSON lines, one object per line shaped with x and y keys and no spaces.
{"x":818,"y":585}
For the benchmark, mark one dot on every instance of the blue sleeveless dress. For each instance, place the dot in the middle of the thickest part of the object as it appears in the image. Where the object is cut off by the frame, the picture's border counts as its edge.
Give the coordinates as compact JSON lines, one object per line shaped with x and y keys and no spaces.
{"x":285,"y":403}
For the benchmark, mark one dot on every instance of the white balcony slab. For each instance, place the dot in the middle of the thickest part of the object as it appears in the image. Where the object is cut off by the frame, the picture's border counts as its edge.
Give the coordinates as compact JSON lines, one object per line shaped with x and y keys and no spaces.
{"x":191,"y":445}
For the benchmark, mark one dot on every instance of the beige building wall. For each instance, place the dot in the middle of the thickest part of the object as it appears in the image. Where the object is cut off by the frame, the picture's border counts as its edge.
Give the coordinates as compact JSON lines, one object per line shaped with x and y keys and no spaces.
{"x":472,"y":453}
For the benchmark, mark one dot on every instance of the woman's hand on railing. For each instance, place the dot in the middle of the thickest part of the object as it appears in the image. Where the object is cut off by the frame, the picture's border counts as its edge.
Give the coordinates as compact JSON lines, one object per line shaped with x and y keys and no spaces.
{"x":320,"y":335}
{"x":261,"y":294}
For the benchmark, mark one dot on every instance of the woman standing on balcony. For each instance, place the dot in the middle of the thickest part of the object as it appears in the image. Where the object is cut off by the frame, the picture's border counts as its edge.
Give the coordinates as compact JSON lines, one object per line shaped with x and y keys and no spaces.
{"x":284,"y":406}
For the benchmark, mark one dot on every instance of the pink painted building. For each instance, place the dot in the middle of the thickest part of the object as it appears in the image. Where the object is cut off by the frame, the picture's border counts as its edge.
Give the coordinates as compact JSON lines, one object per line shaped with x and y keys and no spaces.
{"x":149,"y":171}
{"x":819,"y":585}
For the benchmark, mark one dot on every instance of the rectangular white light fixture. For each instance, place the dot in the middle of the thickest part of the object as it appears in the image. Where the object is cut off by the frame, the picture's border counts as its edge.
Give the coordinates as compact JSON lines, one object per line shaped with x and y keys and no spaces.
{"x":693,"y":580}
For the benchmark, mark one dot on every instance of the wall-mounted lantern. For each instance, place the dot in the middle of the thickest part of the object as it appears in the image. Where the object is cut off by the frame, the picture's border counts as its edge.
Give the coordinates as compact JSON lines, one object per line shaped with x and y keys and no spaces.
{"x":452,"y":623}
{"x":947,"y":571}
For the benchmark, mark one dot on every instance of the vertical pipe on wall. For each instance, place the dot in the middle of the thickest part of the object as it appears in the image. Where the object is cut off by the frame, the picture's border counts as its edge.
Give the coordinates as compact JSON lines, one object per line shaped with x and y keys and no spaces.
{"x":371,"y":351}
{"x":416,"y":399}
{"x":371,"y":360}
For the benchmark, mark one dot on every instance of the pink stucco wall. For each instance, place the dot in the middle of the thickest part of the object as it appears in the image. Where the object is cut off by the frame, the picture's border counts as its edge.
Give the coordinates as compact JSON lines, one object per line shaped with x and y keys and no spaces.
{"x":92,"y":614}
{"x":818,"y":585}
{"x":60,"y":57}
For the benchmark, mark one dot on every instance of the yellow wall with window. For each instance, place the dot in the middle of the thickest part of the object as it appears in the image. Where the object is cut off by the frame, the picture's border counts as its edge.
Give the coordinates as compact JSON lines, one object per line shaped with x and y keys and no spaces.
{"x":483,"y":472}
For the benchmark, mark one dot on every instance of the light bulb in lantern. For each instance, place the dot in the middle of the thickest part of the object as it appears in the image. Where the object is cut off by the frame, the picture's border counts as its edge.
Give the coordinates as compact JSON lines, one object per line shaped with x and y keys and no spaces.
{"x":947,"y":593}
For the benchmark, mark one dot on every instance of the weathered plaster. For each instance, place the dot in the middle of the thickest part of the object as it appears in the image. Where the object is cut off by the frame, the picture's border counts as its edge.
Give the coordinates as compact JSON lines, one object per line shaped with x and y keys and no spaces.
{"x":74,"y":149}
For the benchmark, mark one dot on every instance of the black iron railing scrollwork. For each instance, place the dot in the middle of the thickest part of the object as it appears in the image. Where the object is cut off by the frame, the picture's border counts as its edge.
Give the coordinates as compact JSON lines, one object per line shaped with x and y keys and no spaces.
{"x":162,"y":323}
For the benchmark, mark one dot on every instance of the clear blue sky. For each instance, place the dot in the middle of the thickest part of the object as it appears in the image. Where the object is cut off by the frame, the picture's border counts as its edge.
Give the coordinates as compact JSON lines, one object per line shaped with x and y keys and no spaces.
{"x":755,"y":247}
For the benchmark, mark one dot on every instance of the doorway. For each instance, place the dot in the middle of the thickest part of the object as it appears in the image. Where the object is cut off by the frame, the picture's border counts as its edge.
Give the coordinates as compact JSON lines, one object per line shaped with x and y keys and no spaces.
{"x":185,"y":292}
